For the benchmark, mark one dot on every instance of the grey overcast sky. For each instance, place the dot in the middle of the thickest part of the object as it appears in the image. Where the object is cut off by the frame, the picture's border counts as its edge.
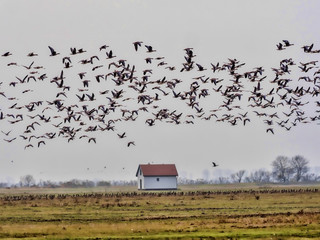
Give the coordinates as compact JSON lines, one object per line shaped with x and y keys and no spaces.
{"x":247,"y":30}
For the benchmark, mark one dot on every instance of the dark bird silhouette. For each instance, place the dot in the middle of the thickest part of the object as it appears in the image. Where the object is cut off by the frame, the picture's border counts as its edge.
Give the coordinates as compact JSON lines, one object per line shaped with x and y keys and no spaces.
{"x":150,"y":121}
{"x":149,"y":60}
{"x":103,"y":47}
{"x":131,"y":143}
{"x":137,"y":45}
{"x":96,"y":67}
{"x":110,"y":55}
{"x":61,"y":93}
{"x":280,"y":47}
{"x":28,"y":146}
{"x":245,"y":120}
{"x":32,"y":54}
{"x":91,"y":97}
{"x":6,"y":133}
{"x":94,"y":57}
{"x":29,"y":67}
{"x":287,"y":43}
{"x":270,"y":130}
{"x":41,"y":142}
{"x":99,"y":77}
{"x":53,"y":52}
{"x":6,"y":54}
{"x":214,"y":164}
{"x":117,"y":94}
{"x":307,"y":49}
{"x":10,"y":140}
{"x":200,"y":68}
{"x":66,"y":60}
{"x":23,"y":137}
{"x":42,"y":77}
{"x":149,"y":48}
{"x":12,"y":64}
{"x":85,"y":83}
{"x":123,"y":135}
{"x":73,"y":51}
{"x":82,"y":75}
{"x":22,"y":80}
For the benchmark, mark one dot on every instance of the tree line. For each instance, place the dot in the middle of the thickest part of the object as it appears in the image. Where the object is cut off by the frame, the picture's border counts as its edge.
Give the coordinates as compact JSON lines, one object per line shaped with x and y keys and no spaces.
{"x":284,"y":170}
{"x":29,"y":181}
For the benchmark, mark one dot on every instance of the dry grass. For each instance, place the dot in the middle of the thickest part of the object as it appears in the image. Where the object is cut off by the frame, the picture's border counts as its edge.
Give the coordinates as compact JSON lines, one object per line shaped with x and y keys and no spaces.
{"x":229,"y":214}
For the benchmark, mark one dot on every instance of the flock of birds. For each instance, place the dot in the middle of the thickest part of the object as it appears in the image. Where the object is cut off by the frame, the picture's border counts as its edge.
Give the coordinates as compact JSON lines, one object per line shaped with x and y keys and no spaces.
{"x":108,"y":90}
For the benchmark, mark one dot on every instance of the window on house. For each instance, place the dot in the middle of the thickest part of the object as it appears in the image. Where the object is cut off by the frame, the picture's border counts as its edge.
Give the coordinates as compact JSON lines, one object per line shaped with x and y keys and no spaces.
{"x":158,"y":179}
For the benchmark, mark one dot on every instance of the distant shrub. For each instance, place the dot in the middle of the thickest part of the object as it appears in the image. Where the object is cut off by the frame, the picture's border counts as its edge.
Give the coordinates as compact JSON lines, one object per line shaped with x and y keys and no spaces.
{"x":103,"y":184}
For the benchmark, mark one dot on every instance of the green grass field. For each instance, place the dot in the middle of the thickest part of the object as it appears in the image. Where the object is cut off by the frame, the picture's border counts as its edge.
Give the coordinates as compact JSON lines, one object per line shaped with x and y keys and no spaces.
{"x":193,"y":212}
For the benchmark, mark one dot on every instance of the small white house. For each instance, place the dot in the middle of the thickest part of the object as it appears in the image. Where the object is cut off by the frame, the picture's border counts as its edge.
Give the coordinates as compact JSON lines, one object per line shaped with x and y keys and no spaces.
{"x":157,"y":176}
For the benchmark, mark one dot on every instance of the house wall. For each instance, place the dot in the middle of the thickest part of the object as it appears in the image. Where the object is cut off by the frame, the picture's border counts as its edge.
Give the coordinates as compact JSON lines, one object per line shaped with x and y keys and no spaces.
{"x":164,"y":182}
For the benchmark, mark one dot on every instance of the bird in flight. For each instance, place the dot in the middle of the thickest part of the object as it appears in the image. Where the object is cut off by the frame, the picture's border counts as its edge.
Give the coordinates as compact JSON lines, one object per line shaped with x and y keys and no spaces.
{"x":214,"y":164}
{"x":270,"y":130}
{"x":137,"y":44}
{"x":53,"y":52}
{"x":9,"y":140}
{"x":123,"y":135}
{"x":134,"y":91}
{"x":287,"y":43}
{"x":6,"y":133}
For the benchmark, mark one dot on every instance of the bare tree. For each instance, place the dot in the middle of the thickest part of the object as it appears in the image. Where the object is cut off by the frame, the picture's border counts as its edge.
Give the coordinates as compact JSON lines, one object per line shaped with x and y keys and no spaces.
{"x":299,"y":166}
{"x":27,"y":180}
{"x":310,"y":177}
{"x":237,"y":177}
{"x":281,"y":169}
{"x":259,"y":176}
{"x":222,"y":180}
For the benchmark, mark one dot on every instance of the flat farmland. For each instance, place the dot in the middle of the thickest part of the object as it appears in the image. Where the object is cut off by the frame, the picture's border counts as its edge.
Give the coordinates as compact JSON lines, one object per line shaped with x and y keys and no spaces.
{"x":204,"y":212}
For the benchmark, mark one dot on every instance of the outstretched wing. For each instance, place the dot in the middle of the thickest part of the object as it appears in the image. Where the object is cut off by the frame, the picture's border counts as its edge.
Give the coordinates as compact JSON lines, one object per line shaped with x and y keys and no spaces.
{"x":53,"y":52}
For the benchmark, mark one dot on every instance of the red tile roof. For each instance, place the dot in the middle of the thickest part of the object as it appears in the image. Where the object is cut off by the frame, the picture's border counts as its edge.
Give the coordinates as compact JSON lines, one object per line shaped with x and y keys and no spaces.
{"x":158,"y":170}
